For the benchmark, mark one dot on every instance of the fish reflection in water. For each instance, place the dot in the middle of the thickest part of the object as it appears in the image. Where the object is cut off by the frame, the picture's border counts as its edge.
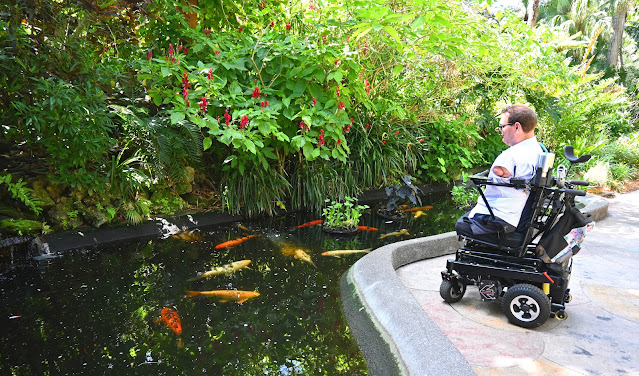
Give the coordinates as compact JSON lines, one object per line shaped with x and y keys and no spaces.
{"x":226,"y":269}
{"x":225,"y":295}
{"x":170,"y":318}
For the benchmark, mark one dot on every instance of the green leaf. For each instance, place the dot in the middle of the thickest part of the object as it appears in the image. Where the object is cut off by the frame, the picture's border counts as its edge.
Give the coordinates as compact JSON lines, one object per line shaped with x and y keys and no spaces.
{"x":264,"y":128}
{"x":397,"y":69}
{"x":308,"y":150}
{"x":207,"y":143}
{"x":361,"y":32}
{"x":165,"y":71}
{"x":338,"y":76}
{"x":250,"y":146}
{"x":419,"y":21}
{"x":392,"y":32}
{"x":177,"y":116}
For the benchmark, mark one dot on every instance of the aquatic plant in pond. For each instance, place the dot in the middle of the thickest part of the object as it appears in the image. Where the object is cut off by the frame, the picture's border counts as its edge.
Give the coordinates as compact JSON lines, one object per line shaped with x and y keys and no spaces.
{"x":96,"y":311}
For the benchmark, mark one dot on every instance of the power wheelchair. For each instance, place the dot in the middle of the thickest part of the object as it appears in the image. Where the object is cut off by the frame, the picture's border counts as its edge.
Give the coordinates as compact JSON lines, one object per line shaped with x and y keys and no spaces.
{"x":529,"y":269}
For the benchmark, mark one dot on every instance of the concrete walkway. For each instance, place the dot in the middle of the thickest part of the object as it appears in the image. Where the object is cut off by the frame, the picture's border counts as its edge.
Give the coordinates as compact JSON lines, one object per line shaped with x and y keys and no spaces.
{"x":404,"y":327}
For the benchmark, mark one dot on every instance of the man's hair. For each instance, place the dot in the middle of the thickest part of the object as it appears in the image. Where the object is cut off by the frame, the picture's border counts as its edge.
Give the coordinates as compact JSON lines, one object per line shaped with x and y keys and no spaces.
{"x":522,"y":114}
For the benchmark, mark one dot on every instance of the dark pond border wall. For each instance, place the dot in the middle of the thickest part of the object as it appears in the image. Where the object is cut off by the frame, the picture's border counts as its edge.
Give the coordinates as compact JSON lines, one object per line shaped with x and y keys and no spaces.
{"x":394,"y":333}
{"x":88,"y":237}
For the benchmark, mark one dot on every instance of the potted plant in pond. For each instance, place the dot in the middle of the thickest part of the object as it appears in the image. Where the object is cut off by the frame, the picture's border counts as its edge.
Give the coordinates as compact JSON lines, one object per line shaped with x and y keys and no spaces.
{"x":342,"y":217}
{"x":397,"y":195}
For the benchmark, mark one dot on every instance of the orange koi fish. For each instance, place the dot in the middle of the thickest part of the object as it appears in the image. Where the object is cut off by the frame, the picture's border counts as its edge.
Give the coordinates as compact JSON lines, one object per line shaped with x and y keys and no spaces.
{"x":366,"y":228}
{"x":311,"y":223}
{"x":421,"y":208}
{"x":225,"y":295}
{"x":170,"y":318}
{"x":232,"y":243}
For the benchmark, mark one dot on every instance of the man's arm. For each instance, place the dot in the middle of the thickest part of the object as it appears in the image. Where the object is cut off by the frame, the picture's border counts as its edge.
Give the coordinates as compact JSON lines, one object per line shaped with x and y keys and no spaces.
{"x":502,"y":172}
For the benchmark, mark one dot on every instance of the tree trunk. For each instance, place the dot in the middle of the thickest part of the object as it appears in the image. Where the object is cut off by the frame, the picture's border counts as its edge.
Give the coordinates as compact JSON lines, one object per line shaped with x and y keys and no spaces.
{"x":533,"y":11}
{"x":192,"y":16}
{"x":616,"y":36}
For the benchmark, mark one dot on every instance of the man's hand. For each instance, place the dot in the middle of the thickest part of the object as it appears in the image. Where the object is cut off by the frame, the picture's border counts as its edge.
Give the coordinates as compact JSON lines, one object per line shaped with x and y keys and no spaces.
{"x":502,"y":172}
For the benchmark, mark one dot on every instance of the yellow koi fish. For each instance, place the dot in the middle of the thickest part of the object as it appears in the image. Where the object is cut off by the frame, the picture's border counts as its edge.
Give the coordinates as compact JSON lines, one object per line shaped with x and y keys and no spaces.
{"x":227,"y":269}
{"x":226,"y":295}
{"x":187,"y":236}
{"x":345,"y":252}
{"x":300,"y":254}
{"x":418,"y":214}
{"x":396,"y":233}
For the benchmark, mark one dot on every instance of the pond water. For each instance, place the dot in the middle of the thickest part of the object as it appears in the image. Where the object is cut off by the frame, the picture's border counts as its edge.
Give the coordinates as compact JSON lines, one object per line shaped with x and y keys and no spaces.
{"x":95,"y":311}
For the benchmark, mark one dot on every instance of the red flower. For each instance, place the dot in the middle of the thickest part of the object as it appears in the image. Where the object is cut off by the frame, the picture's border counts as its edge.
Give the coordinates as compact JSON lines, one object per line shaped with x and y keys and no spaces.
{"x":325,"y":38}
{"x":314,"y":101}
{"x":227,"y":117}
{"x":303,"y":126}
{"x":170,"y":50}
{"x":383,"y":142}
{"x":367,"y":125}
{"x":347,"y":128}
{"x":217,"y":52}
{"x":396,"y":132}
{"x":240,"y":29}
{"x":180,"y":48}
{"x":186,"y":51}
{"x":207,"y":32}
{"x":203,"y":104}
{"x":339,"y":141}
{"x":422,"y":140}
{"x":256,"y":92}
{"x":337,"y":92}
{"x":321,"y":138}
{"x":185,"y":80}
{"x":210,"y":75}
{"x":340,"y":106}
{"x":149,"y":56}
{"x":244,"y":121}
{"x":288,"y":26}
{"x":264,"y":104}
{"x":272,"y":24}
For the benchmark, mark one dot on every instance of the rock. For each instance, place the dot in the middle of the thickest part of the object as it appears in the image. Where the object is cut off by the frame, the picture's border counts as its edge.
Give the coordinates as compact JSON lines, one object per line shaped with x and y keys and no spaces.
{"x":55,"y":192}
{"x":65,"y":214}
{"x":183,"y":188}
{"x":189,"y":174}
{"x":40,"y":193}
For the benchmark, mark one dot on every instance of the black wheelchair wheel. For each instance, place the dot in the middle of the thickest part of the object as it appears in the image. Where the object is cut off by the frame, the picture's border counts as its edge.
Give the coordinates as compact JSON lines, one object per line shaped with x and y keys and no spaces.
{"x":450,"y":293}
{"x":526,"y":305}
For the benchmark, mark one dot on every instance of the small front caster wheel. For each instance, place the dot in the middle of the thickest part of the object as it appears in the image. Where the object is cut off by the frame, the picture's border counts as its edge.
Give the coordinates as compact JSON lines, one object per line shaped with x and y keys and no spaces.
{"x":561,"y":315}
{"x":567,"y":297}
{"x":452,"y":292}
{"x":526,"y":305}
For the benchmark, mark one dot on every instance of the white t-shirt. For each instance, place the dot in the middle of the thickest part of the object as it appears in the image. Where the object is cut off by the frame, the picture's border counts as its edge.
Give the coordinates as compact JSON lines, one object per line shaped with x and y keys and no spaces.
{"x":508,"y":203}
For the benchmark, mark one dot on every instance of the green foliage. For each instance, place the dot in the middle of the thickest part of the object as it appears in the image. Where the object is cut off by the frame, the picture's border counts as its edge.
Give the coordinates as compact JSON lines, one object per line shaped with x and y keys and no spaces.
{"x":20,"y":192}
{"x":343,"y":214}
{"x":404,"y":192}
{"x":464,"y":195}
{"x":71,"y":124}
{"x":23,"y":227}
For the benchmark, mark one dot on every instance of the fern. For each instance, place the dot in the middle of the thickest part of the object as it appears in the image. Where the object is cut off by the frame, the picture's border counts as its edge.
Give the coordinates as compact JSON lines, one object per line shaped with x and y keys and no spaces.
{"x":20,"y":192}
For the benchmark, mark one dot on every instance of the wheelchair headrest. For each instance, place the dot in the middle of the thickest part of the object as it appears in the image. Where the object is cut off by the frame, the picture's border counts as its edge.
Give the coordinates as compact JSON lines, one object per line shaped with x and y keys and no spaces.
{"x":569,"y":152}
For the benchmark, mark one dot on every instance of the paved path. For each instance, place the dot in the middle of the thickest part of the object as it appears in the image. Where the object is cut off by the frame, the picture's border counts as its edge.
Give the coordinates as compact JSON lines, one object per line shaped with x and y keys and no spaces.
{"x":600,"y":335}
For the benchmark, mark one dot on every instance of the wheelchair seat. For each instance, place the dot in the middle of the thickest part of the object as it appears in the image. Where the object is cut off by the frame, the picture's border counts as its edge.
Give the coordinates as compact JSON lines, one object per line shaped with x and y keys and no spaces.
{"x":511,"y":240}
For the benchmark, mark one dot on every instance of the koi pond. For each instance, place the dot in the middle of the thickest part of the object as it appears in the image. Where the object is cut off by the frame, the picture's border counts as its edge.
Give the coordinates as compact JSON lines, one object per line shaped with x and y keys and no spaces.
{"x":116,"y":310}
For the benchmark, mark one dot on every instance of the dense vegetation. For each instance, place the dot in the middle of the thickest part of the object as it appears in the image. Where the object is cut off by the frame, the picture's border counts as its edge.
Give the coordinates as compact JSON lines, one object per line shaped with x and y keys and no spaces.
{"x":117,"y":109}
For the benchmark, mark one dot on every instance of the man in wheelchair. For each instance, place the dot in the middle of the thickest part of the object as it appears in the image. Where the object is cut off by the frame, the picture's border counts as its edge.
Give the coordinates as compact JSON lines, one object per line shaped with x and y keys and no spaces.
{"x":517,"y":127}
{"x":521,"y":235}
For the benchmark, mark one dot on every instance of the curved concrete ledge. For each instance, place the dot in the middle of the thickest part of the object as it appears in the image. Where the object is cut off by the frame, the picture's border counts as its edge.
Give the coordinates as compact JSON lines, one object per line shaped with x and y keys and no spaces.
{"x":392,"y":330}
